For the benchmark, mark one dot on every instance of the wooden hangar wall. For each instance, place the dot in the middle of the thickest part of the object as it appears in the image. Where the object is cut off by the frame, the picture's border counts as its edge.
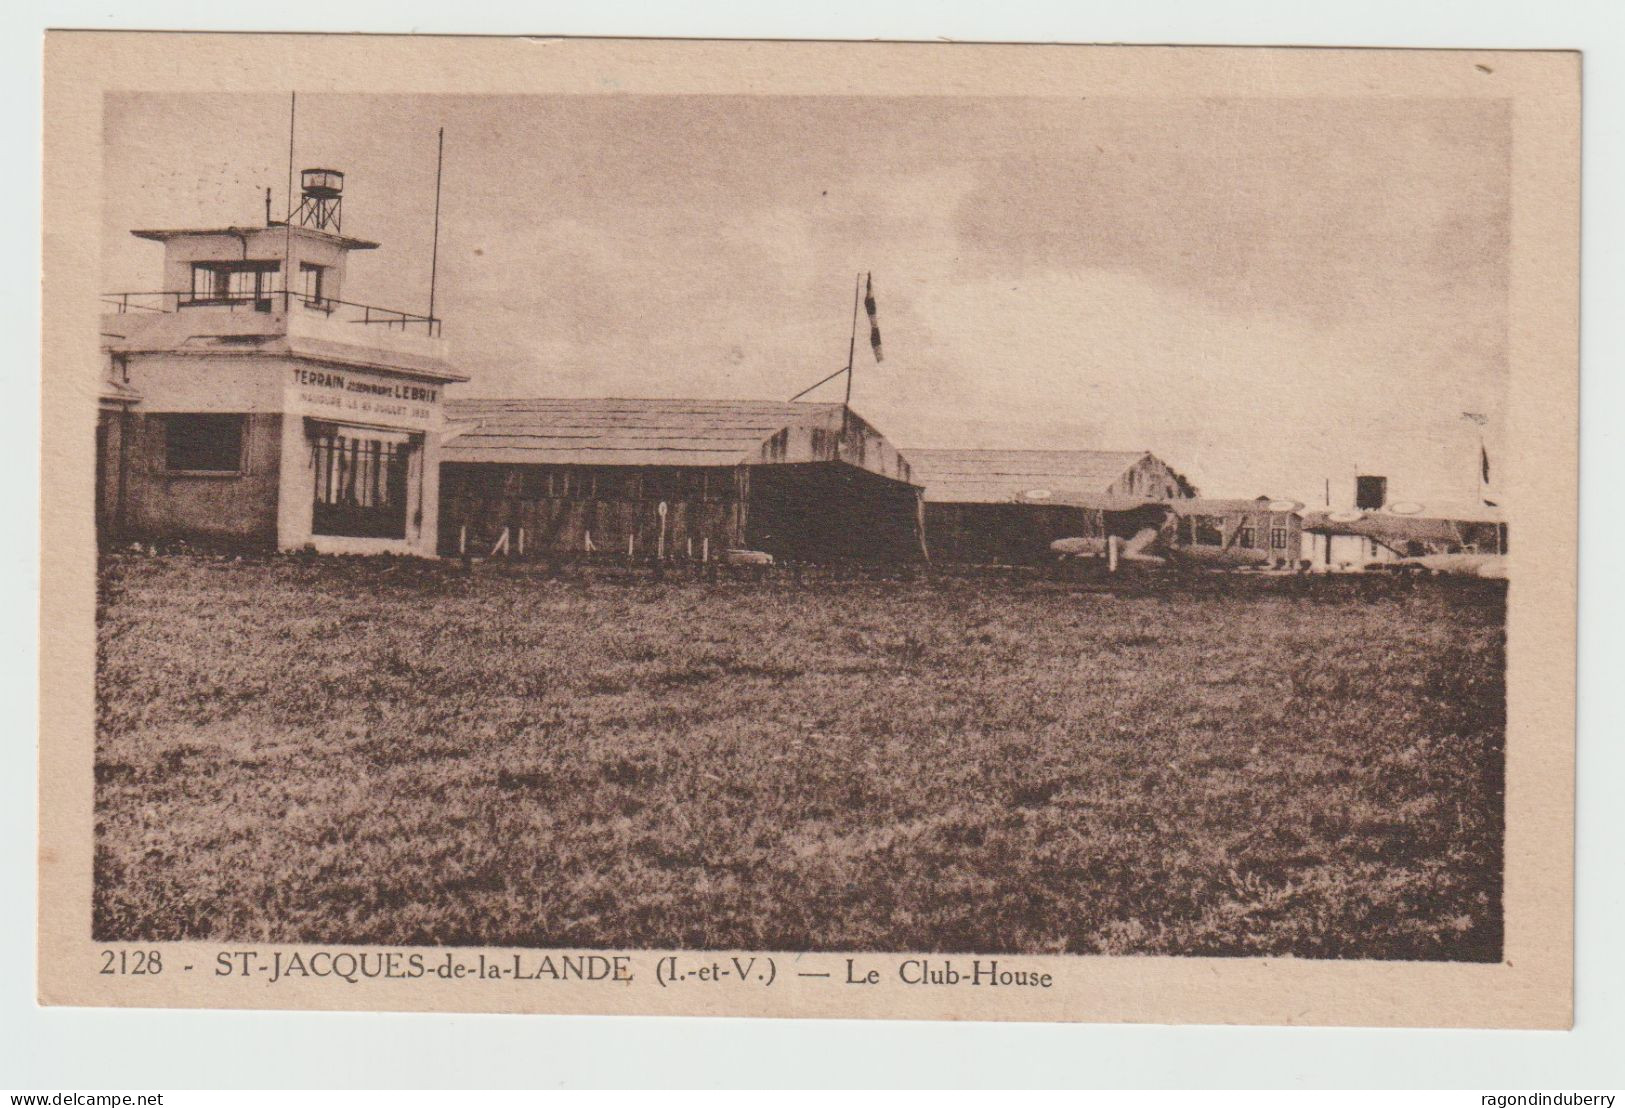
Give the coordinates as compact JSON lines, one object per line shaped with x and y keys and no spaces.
{"x":674,"y":479}
{"x":1005,"y":507}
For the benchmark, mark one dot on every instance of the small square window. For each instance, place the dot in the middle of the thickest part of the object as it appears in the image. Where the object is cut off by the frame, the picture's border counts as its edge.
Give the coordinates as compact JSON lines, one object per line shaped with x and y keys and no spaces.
{"x":203,"y":443}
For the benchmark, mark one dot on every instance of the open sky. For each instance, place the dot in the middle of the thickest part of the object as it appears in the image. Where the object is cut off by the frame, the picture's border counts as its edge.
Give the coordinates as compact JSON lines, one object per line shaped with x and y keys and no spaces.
{"x":1265,"y":292}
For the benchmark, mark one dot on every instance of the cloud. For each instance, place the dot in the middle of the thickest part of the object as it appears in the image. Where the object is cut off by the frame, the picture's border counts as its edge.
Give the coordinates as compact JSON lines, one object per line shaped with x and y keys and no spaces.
{"x":1262,"y":290}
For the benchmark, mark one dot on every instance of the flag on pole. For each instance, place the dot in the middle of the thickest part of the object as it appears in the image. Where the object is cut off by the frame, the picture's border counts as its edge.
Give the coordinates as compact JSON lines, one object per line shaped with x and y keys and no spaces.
{"x":869,"y":306}
{"x":1479,"y":420}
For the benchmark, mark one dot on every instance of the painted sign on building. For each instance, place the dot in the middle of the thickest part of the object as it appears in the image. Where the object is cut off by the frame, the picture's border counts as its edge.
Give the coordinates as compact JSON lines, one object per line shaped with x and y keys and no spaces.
{"x":357,"y":396}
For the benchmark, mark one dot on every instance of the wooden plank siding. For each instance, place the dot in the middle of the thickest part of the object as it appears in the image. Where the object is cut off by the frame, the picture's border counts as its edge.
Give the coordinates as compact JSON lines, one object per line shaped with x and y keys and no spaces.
{"x":795,"y":511}
{"x":830,"y":511}
{"x":610,"y":504}
{"x":1149,"y":477}
{"x":1005,"y":507}
{"x":798,"y":480}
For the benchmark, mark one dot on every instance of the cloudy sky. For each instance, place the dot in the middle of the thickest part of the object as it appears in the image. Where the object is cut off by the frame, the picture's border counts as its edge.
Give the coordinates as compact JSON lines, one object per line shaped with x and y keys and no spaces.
{"x":1267,"y":293}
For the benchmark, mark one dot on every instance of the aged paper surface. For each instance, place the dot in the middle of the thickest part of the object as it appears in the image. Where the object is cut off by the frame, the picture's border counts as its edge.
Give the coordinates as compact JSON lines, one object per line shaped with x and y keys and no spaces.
{"x":1140,"y":631}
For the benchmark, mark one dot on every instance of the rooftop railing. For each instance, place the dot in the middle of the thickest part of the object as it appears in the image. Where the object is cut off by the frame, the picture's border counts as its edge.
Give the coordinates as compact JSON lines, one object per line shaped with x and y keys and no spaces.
{"x":346,"y":311}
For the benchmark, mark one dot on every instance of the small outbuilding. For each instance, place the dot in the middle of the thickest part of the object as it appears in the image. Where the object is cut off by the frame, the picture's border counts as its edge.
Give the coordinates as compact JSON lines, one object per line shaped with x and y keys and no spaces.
{"x":1261,"y":532}
{"x":674,"y":479}
{"x":1006,"y":506}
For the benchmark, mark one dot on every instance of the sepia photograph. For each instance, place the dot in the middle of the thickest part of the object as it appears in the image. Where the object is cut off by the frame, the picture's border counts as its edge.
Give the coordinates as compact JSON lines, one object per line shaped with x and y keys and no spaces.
{"x":978,"y":527}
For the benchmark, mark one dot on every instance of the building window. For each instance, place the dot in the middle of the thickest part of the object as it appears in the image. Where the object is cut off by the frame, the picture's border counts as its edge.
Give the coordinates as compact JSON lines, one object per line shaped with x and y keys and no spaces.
{"x":1248,"y":537}
{"x":233,"y":282}
{"x":312,"y":277}
{"x":203,"y":443}
{"x":1277,"y":538}
{"x":1209,"y":530}
{"x":360,"y":485}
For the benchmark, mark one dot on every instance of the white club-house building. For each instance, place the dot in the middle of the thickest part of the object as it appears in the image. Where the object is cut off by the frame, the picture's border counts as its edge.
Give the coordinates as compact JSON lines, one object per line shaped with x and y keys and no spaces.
{"x":247,"y":404}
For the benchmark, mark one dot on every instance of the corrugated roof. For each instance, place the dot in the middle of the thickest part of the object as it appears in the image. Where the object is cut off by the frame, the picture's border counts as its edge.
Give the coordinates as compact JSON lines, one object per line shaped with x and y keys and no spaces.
{"x":1010,"y":476}
{"x":619,"y":431}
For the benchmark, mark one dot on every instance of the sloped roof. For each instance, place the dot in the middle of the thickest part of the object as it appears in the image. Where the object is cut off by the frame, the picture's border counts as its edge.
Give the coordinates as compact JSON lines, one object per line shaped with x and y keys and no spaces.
{"x":620,"y":432}
{"x":1013,"y":476}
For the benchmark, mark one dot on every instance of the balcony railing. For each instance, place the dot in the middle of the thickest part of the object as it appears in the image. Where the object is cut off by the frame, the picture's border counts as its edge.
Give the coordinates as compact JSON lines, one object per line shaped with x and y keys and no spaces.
{"x":346,"y":311}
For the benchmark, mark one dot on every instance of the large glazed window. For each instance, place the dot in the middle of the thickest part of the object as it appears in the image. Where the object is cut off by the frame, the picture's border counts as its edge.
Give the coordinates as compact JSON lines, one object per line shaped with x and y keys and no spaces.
{"x":233,"y":282}
{"x":361,"y":484}
{"x":203,"y":443}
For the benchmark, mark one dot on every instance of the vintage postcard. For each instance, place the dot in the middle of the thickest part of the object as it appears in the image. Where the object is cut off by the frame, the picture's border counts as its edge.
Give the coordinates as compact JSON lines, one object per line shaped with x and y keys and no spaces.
{"x":809,"y":529}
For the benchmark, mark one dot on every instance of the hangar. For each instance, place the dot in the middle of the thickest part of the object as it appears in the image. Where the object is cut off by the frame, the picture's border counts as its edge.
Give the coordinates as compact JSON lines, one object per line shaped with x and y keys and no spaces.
{"x":1006,"y":506}
{"x":673,"y":479}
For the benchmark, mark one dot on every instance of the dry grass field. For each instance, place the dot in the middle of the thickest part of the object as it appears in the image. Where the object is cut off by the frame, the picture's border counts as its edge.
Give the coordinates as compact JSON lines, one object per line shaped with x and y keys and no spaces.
{"x":380,"y":751}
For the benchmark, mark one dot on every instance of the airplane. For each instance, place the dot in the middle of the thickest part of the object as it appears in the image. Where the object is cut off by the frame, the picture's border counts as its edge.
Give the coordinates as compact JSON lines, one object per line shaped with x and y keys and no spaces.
{"x":1156,"y":540}
{"x":1406,"y":536}
{"x":1492,"y":566}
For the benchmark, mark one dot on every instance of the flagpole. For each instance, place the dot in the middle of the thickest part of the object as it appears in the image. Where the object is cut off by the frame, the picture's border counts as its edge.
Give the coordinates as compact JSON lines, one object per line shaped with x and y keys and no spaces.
{"x":852,"y":346}
{"x":851,"y":357}
{"x":1482,"y":460}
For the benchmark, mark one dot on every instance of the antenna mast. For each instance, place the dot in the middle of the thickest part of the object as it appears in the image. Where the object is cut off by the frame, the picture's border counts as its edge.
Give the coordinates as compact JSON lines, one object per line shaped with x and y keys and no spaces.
{"x":434,"y":250}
